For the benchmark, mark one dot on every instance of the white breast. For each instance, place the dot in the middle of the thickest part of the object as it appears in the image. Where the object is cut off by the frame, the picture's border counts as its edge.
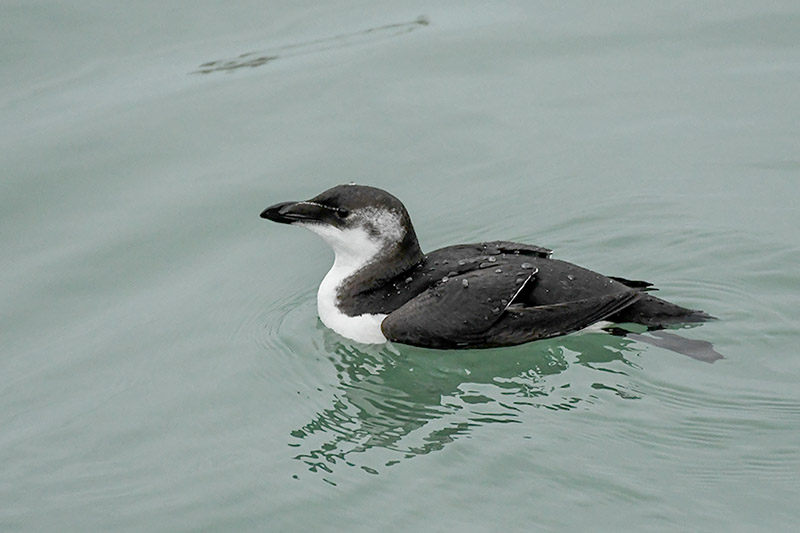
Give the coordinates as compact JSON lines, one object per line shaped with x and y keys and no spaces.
{"x":354,"y":248}
{"x":364,"y":328}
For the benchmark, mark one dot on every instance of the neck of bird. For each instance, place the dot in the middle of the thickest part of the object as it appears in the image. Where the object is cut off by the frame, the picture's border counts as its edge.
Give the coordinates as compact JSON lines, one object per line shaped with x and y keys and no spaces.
{"x":360,"y":276}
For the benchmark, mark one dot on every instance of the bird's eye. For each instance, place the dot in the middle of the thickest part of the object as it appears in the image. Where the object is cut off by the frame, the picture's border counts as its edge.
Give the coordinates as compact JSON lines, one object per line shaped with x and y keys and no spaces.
{"x":342,"y":213}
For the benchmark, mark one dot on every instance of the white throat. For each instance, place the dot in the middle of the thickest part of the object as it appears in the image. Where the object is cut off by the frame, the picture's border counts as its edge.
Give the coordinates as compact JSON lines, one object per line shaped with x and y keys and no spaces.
{"x":354,"y":248}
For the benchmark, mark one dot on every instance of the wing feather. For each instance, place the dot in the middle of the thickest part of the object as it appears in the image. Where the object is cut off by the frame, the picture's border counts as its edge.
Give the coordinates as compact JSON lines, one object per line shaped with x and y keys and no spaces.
{"x":474,"y":310}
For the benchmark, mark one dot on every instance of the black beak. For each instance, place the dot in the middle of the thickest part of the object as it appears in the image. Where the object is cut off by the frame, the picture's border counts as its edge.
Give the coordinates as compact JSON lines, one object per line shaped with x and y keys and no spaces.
{"x":289,"y":212}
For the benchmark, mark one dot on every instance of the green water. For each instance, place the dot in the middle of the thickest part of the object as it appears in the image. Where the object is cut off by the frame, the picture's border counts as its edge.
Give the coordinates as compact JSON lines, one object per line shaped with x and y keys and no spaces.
{"x":162,"y":366}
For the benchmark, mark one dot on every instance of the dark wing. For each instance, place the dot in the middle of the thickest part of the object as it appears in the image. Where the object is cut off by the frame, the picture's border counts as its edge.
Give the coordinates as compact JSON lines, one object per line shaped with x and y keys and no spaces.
{"x":525,"y":324}
{"x":453,"y":311}
{"x":475,"y":310}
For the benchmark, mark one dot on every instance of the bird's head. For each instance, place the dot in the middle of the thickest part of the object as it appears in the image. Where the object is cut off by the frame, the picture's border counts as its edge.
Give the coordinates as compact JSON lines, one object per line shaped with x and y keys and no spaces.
{"x":357,"y":221}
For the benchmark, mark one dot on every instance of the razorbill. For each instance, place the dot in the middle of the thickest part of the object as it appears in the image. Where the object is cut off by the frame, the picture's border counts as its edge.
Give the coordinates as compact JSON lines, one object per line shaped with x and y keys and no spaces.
{"x":382,"y":287}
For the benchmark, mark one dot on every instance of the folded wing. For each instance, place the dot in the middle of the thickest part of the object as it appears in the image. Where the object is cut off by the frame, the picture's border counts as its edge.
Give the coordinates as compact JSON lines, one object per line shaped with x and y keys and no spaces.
{"x":478,"y":310}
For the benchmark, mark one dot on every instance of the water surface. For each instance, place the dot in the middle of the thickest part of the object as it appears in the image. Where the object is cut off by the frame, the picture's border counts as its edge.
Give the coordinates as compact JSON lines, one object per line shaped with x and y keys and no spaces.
{"x":163,"y":368}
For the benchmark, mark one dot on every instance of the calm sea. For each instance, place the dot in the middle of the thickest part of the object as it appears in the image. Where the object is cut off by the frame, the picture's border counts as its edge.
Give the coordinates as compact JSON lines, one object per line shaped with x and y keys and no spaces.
{"x":162,"y":367}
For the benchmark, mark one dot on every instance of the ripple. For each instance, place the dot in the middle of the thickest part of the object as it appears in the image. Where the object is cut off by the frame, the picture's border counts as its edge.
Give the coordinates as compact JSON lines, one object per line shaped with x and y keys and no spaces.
{"x":279,"y":329}
{"x":266,"y":325}
{"x":719,"y":430}
{"x":343,"y":40}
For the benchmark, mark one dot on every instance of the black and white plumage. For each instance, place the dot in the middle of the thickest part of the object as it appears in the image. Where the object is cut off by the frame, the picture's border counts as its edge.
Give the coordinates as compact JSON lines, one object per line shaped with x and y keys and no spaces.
{"x":383,"y":288}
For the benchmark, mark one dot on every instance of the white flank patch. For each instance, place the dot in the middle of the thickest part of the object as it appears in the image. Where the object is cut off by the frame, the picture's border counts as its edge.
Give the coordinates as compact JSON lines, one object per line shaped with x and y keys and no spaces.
{"x":597,"y":327}
{"x":354,"y":248}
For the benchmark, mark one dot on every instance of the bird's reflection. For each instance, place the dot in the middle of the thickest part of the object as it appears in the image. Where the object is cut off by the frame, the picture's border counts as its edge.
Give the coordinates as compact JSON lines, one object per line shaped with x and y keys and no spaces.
{"x":393,"y":403}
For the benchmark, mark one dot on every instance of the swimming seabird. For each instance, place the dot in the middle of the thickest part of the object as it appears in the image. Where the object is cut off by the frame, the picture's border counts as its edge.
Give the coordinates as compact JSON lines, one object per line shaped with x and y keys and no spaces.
{"x":382,"y":287}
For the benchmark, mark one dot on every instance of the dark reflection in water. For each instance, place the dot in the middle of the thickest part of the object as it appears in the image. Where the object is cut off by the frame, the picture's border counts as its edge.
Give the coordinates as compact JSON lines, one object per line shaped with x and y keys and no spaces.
{"x":257,"y":59}
{"x":395,"y":404}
